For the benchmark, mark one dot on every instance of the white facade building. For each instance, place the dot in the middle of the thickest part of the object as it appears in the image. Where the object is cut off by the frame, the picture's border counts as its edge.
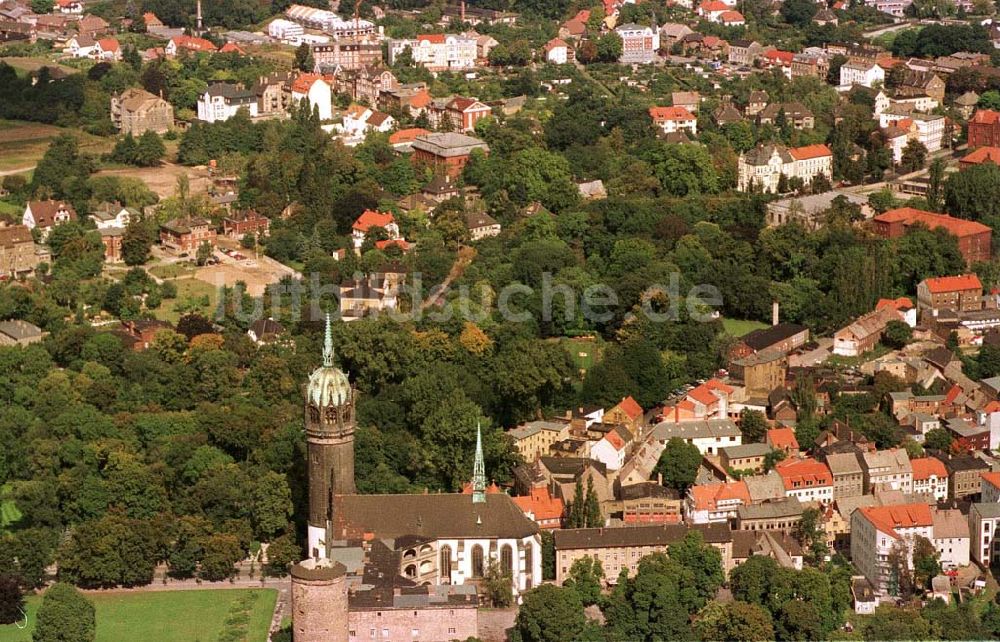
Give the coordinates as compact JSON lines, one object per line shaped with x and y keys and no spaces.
{"x":877,"y":530}
{"x":221,"y":101}
{"x":437,"y":52}
{"x":762,"y":167}
{"x":865,"y":74}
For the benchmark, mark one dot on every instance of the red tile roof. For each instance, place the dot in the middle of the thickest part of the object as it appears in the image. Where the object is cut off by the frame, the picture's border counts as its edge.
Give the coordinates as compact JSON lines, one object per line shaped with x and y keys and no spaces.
{"x":108,"y":44}
{"x":304,"y":83}
{"x":192,"y":43}
{"x":809,"y":473}
{"x":707,"y":497}
{"x":540,"y":504}
{"x":888,"y":518}
{"x":993,"y":406}
{"x":662,"y":114}
{"x":369,"y":219}
{"x":810,"y":151}
{"x":732,"y":16}
{"x":433,"y":38}
{"x":406,"y":135}
{"x":463,"y":104}
{"x":631,"y":408}
{"x":986,"y":117}
{"x":402,"y":243}
{"x":232,"y":47}
{"x":940,"y":284}
{"x":992,"y":477}
{"x":902,"y":303}
{"x":782,"y":438}
{"x":925,"y":467}
{"x":983,"y":154}
{"x":615,"y":440}
{"x":713,"y":5}
{"x":956,"y":226}
{"x":777,"y":55}
{"x":554,"y":43}
{"x":953,"y":394}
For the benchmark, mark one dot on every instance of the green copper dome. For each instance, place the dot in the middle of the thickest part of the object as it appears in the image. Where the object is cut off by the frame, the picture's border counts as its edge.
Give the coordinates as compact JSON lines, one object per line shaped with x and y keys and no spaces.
{"x":328,"y":385}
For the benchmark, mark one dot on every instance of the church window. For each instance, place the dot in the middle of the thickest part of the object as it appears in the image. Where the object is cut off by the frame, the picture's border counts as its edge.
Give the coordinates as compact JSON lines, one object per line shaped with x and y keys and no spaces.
{"x":331,"y":414}
{"x":529,"y":560}
{"x":313,"y":414}
{"x":507,"y":560}
{"x":477,"y":561}
{"x":446,"y":564}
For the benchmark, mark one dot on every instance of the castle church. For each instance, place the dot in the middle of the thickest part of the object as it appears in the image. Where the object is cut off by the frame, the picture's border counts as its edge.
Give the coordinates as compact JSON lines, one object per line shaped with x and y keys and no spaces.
{"x":427,"y":543}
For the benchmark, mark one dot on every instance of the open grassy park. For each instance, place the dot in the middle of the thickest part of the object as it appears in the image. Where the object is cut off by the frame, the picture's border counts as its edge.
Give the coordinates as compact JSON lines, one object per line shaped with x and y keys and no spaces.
{"x":740,"y":327}
{"x":23,"y":144}
{"x":172,"y":616}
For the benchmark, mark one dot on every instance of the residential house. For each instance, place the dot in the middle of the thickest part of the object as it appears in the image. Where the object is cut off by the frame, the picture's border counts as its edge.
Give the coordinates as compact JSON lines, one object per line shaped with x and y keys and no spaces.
{"x":979,"y":156}
{"x":864,"y":333}
{"x":951,"y":538}
{"x":984,"y":129}
{"x":811,"y":211}
{"x":542,"y":508}
{"x":69,"y":6}
{"x":90,"y":25}
{"x":621,"y":548}
{"x":136,"y":111}
{"x":113,"y":215}
{"x":612,"y":448}
{"x":715,"y":503}
{"x":368,"y":295}
{"x":984,"y":527}
{"x":887,"y":470}
{"x":960,"y":293}
{"x":463,"y":112}
{"x":575,"y":27}
{"x":726,"y":114}
{"x":745,"y":457}
{"x":371,"y":219}
{"x":348,"y":54}
{"x":672,"y":33}
{"x":756,"y":102}
{"x":778,"y":545}
{"x":857,"y":72}
{"x":674,"y":119}
{"x":813,"y":64}
{"x":762,"y":167}
{"x":930,"y":478}
{"x":966,"y":104}
{"x":848,"y":475}
{"x":221,"y":101}
{"x":481,"y":225}
{"x":558,"y":52}
{"x":18,"y":332}
{"x":689,"y":100}
{"x":648,"y":502}
{"x":806,"y":479}
{"x":973,"y":238}
{"x":964,"y":474}
{"x":437,"y":52}
{"x":81,"y":46}
{"x":316,"y":92}
{"x":446,"y":153}
{"x":778,"y":59}
{"x":640,"y":44}
{"x":190,"y":44}
{"x":707,"y":435}
{"x":781,"y":515}
{"x":782,"y":439}
{"x":795,"y":113}
{"x":921,"y":82}
{"x":246,"y":222}
{"x":706,"y":401}
{"x":879,"y":531}
{"x":534,"y":438}
{"x":265,"y":331}
{"x":18,"y":258}
{"x":47,"y":214}
{"x":990,"y":485}
{"x":744,"y":52}
{"x":187,"y":234}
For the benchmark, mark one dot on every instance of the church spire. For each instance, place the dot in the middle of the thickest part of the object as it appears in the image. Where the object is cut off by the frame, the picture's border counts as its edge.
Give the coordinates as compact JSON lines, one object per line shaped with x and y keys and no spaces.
{"x":479,"y":470}
{"x":328,"y":345}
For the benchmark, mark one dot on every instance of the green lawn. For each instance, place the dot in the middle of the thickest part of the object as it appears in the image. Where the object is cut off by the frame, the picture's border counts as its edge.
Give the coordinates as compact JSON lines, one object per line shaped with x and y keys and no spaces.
{"x":172,"y":616}
{"x":583,"y":352}
{"x":23,"y":144}
{"x":739,"y":327}
{"x":8,"y":509}
{"x":193,"y":295}
{"x":172,"y":270}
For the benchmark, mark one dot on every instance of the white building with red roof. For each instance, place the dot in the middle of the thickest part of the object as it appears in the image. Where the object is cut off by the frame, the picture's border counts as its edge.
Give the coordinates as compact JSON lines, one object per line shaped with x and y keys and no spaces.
{"x":191,"y":44}
{"x":71,"y":7}
{"x":108,"y":49}
{"x":712,"y":10}
{"x":542,"y":507}
{"x":437,"y":51}
{"x":732,"y":18}
{"x":762,"y":167}
{"x":877,"y":531}
{"x":316,"y":91}
{"x":370,"y":219}
{"x":930,"y":478}
{"x":713,"y":503}
{"x":674,"y":119}
{"x":990,"y":485}
{"x":610,"y":450}
{"x":904,"y":306}
{"x":806,"y":479}
{"x":558,"y":52}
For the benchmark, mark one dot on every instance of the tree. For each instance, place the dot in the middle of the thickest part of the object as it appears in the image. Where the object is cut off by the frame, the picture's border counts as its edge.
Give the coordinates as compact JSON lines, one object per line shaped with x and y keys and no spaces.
{"x":548,"y":555}
{"x":737,"y":621}
{"x":204,"y":253}
{"x":65,"y":616}
{"x":799,"y":620}
{"x":609,"y":47}
{"x":304,"y":58}
{"x":281,"y":554}
{"x":897,"y":334}
{"x":753,"y":425}
{"x":703,"y":560}
{"x":585,"y":577}
{"x":498,"y":585}
{"x":11,"y":600}
{"x":914,"y":157}
{"x":935,"y":184}
{"x":149,"y":149}
{"x":974,"y":193}
{"x":925,"y":562}
{"x":221,"y":553}
{"x":988,"y":361}
{"x":892,"y":623}
{"x":550,"y":614}
{"x":938,"y":439}
{"x":136,"y":243}
{"x":679,"y":464}
{"x":42,"y":6}
{"x":592,"y":507}
{"x":751,"y":580}
{"x":810,"y":534}
{"x":798,"y":13}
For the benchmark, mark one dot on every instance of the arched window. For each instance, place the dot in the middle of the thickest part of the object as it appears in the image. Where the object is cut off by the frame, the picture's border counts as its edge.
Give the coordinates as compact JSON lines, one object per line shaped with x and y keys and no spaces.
{"x":477,"y":561}
{"x":529,"y":560}
{"x":314,"y":414}
{"x":507,"y":560}
{"x":410,"y":570}
{"x":446,"y":564}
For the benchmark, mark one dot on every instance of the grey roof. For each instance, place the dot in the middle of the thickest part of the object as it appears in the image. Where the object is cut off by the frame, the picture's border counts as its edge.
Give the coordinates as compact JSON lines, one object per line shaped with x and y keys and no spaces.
{"x":964,"y":427}
{"x":765,"y":487}
{"x":894,"y":459}
{"x":788,"y":507}
{"x":656,"y":535}
{"x":843,"y":464}
{"x":448,"y":144}
{"x":746,"y":450}
{"x":847,"y":505}
{"x":230,"y":92}
{"x":18,"y":329}
{"x":699,"y":429}
{"x":534,"y":427}
{"x":762,"y":154}
{"x":950,"y":523}
{"x":989,"y":510}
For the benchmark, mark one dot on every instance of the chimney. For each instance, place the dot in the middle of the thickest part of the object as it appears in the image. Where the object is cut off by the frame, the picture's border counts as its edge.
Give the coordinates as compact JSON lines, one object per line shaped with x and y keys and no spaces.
{"x":198,"y":15}
{"x":463,"y":10}
{"x":775,"y":312}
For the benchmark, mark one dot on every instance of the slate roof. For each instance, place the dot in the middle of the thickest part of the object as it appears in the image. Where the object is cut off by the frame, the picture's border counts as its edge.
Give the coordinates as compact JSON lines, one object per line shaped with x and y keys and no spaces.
{"x":654,"y":535}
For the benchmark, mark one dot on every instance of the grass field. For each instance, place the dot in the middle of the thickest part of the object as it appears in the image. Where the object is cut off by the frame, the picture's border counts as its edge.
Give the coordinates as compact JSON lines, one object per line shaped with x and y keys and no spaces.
{"x":584,"y":352}
{"x":193,"y":295}
{"x":172,"y":616}
{"x":739,"y":327}
{"x":23,"y":144}
{"x":27,"y":65}
{"x":8,"y":509}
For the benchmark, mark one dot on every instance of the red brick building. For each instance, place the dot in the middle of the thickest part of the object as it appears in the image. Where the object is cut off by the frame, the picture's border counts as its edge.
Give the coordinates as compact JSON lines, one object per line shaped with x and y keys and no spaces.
{"x":980,"y":156}
{"x":961,"y":293}
{"x":973,"y":238}
{"x":984,"y":129}
{"x":112,"y":239}
{"x":240,"y":224}
{"x":447,"y":153}
{"x":186,"y":234}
